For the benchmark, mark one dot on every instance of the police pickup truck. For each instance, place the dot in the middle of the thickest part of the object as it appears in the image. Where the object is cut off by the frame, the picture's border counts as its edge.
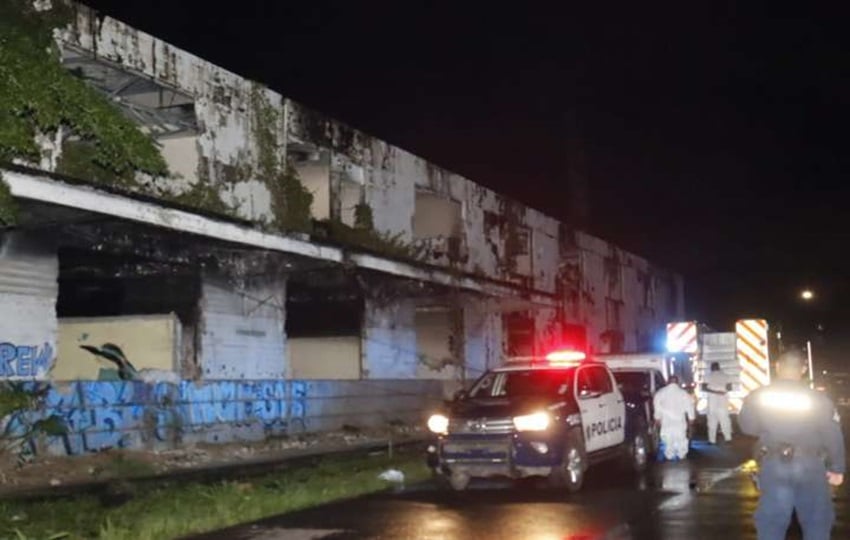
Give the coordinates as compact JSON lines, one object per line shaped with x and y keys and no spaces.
{"x":552,"y":417}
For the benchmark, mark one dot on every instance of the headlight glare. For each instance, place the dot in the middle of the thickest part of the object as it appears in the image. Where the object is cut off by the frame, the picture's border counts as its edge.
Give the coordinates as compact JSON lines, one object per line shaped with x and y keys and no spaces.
{"x":438,"y":424}
{"x":538,"y":421}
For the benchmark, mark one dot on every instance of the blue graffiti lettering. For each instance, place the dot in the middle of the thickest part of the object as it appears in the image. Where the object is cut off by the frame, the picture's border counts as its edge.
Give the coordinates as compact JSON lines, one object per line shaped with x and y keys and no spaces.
{"x":24,"y":360}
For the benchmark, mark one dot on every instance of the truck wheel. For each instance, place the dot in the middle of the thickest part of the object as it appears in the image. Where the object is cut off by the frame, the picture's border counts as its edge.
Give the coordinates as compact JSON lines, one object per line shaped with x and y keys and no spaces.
{"x":638,"y":449}
{"x":570,"y":472}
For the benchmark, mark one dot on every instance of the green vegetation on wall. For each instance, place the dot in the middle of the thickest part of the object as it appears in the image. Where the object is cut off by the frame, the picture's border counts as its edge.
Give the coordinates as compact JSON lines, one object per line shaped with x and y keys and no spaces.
{"x":19,"y":408}
{"x":8,"y":208}
{"x":290,"y":200}
{"x":38,"y":97}
{"x":384,"y":244}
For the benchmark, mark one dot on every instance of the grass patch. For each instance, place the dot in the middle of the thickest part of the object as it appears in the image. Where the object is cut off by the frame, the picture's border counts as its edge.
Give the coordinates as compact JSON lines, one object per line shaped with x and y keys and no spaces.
{"x":173,"y":510}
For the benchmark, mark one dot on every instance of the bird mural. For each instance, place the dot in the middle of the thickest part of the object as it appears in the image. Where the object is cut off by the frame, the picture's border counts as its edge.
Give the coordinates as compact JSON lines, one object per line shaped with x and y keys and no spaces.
{"x":114,"y":354}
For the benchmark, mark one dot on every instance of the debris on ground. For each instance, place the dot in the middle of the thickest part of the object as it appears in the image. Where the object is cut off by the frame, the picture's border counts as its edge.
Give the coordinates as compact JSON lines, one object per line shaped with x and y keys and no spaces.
{"x":120,"y":463}
{"x":394,"y":476}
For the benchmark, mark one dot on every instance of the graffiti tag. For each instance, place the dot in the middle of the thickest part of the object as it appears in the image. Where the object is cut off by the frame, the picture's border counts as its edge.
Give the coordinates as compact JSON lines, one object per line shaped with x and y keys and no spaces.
{"x":24,"y":360}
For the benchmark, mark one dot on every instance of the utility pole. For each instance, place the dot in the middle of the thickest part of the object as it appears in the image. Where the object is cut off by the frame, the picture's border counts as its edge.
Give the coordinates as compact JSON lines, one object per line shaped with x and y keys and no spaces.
{"x":811,"y":367}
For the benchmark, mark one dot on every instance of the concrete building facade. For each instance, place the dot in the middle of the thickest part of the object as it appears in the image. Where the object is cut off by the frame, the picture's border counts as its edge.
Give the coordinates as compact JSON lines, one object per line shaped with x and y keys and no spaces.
{"x":404,"y":281}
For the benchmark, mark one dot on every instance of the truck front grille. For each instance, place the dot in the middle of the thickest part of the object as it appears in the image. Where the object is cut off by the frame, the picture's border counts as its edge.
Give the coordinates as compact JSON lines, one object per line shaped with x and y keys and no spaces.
{"x":489,"y":426}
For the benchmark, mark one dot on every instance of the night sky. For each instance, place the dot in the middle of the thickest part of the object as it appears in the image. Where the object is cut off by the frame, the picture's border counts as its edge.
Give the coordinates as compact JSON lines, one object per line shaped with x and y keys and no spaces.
{"x":714,"y":138}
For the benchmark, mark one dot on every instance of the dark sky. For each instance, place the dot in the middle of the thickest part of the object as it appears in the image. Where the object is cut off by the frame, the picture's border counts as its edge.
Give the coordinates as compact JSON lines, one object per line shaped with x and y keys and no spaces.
{"x":714,"y":137}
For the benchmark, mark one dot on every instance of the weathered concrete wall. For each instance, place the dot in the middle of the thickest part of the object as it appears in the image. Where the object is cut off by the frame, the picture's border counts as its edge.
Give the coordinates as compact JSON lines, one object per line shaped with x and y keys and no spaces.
{"x":243,"y":328}
{"x":226,"y":105}
{"x":624,"y":300}
{"x":135,"y":415}
{"x":329,"y":405}
{"x":500,"y":239}
{"x":29,"y":270}
{"x":483,"y":339}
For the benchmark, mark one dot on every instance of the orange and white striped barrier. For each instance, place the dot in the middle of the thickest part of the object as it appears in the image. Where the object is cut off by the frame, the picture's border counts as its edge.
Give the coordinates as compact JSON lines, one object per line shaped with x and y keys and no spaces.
{"x":682,"y":337}
{"x":751,"y":346}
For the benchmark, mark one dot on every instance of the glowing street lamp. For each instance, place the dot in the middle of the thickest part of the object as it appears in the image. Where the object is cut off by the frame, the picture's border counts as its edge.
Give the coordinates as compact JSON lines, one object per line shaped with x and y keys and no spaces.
{"x":807,"y":294}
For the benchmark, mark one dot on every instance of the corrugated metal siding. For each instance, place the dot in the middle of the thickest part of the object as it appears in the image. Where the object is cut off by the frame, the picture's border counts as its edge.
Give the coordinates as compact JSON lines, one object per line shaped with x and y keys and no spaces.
{"x":28,"y":266}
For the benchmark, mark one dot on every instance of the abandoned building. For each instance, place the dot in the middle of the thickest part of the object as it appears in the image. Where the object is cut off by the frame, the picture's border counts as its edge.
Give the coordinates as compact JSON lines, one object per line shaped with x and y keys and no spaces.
{"x":292,"y":274}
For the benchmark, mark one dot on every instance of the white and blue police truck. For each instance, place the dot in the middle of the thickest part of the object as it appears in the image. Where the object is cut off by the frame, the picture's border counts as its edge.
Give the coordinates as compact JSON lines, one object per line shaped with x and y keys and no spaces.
{"x":554,"y":417}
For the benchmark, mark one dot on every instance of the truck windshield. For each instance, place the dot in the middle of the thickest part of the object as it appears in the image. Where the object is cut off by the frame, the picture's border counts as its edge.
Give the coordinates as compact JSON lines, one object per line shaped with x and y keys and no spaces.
{"x":536,"y":382}
{"x":633,"y":382}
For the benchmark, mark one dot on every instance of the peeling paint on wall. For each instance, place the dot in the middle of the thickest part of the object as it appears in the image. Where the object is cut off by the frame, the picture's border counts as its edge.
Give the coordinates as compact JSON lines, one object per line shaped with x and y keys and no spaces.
{"x":596,"y":283}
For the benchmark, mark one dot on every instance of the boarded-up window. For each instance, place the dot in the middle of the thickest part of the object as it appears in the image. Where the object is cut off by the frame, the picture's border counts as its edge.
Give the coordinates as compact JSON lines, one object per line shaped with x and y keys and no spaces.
{"x":330,"y":357}
{"x":147,"y":342}
{"x":435,"y":217}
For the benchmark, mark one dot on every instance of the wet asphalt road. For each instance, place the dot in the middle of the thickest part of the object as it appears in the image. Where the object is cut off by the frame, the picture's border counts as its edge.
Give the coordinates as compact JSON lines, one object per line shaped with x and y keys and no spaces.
{"x":706,"y":496}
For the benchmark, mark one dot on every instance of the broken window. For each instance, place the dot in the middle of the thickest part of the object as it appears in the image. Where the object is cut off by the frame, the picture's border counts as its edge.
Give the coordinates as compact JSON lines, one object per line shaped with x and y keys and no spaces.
{"x":350,"y":195}
{"x":147,"y":309}
{"x":159,"y":109}
{"x":314,"y":173}
{"x":519,"y":333}
{"x":323,"y":330}
{"x":518,"y":246}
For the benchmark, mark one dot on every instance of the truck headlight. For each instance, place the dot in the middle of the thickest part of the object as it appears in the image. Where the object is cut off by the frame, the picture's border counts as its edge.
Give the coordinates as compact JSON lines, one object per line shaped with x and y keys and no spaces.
{"x":438,"y":424}
{"x":538,"y":421}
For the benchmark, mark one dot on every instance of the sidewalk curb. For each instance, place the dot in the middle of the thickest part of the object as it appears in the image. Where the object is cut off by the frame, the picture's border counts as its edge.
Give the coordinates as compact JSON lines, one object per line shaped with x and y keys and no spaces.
{"x":209,"y":473}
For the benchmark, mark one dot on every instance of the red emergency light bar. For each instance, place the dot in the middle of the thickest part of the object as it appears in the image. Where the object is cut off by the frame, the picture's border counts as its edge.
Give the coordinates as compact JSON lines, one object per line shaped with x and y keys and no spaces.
{"x":566,"y":356}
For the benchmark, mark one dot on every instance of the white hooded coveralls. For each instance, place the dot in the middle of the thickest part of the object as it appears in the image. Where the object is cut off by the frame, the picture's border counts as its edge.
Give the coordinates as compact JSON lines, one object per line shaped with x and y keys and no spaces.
{"x":674,"y":408}
{"x":718,"y":406}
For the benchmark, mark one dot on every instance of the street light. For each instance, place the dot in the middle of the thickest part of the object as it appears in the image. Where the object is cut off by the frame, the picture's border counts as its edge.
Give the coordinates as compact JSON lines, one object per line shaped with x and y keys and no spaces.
{"x":807,"y":294}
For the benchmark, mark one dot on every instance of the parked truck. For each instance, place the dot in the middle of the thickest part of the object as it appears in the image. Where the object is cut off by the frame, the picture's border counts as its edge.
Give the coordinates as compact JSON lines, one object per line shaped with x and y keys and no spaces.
{"x":743,"y":355}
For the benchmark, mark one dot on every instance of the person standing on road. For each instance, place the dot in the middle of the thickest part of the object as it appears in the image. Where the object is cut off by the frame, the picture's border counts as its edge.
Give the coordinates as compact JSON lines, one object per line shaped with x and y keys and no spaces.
{"x":674,"y":408}
{"x":716,"y":386}
{"x":800,"y":452}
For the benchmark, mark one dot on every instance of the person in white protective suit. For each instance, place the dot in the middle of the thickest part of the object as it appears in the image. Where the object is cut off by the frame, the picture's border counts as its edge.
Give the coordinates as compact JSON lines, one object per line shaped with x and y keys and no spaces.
{"x":716,"y":387}
{"x":674,"y":408}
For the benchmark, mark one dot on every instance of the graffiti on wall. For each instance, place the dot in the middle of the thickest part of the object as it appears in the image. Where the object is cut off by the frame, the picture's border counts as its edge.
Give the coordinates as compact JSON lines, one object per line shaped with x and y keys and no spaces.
{"x":25,"y":361}
{"x":100,"y":415}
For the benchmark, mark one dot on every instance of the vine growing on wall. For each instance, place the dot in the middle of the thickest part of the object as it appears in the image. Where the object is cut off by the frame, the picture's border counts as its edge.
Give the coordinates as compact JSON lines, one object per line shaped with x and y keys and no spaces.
{"x":42,"y":101}
{"x":8,"y":208}
{"x":20,"y":420}
{"x":290,"y":200}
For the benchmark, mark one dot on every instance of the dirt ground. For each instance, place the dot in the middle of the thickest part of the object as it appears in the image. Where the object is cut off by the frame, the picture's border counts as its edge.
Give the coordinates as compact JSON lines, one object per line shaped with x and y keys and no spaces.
{"x":45,"y":471}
